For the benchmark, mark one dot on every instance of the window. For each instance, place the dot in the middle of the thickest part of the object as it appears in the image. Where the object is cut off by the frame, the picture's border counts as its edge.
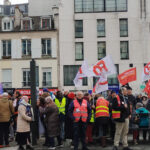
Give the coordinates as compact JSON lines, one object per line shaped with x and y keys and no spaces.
{"x":79,"y":28}
{"x":113,"y":79}
{"x":79,"y":55}
{"x":6,"y":78}
{"x":124,"y":46}
{"x":26,"y":24}
{"x":46,"y":47}
{"x":45,"y":23}
{"x":101,"y":50}
{"x":101,"y":28}
{"x":78,"y":5}
{"x":121,"y":5}
{"x":26,"y":47}
{"x":6,"y":25}
{"x":82,"y":6}
{"x":47,"y":77}
{"x":98,"y":5}
{"x":123,"y":27}
{"x":70,"y":72}
{"x":26,"y":77}
{"x":110,"y":5}
{"x":87,"y":5}
{"x":6,"y":48}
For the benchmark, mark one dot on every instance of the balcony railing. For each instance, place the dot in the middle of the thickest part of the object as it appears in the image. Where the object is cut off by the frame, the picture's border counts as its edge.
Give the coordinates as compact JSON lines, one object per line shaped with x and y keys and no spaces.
{"x":47,"y":84}
{"x":7,"y":84}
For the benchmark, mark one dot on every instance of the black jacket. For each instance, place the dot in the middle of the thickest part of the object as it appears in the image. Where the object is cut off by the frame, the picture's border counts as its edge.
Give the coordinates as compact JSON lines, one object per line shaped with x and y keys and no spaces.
{"x":132,"y":101}
{"x":125,"y":112}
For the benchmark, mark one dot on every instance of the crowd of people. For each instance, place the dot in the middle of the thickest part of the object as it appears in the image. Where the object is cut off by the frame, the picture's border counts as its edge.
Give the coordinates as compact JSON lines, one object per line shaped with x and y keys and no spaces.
{"x":78,"y":116}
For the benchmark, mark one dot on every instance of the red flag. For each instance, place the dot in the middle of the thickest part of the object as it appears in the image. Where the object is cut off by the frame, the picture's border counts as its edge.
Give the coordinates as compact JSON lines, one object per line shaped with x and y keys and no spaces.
{"x":127,"y":76}
{"x":147,"y":88}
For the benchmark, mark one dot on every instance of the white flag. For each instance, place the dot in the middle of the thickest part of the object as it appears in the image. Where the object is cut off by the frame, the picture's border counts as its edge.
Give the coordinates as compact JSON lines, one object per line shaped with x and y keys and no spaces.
{"x":83,"y":72}
{"x":103,"y":67}
{"x":101,"y":85}
{"x":146,"y":73}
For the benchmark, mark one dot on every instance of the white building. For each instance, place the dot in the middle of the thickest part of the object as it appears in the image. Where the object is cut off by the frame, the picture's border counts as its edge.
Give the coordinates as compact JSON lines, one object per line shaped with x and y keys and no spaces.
{"x":23,"y":38}
{"x":89,"y":30}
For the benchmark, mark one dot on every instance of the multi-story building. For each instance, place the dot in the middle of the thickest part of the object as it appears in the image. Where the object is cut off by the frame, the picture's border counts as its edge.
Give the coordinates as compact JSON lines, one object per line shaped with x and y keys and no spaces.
{"x":23,"y":38}
{"x":91,"y":29}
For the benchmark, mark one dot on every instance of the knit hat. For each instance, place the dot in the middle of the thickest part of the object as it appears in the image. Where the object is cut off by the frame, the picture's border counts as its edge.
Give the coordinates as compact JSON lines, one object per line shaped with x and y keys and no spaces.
{"x":71,"y":95}
{"x":138,"y":105}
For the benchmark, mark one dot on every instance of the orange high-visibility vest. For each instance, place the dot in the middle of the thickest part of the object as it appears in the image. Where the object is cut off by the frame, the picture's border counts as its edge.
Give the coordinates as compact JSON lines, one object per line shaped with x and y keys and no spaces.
{"x":102,"y":108}
{"x":116,"y":114}
{"x":80,"y":111}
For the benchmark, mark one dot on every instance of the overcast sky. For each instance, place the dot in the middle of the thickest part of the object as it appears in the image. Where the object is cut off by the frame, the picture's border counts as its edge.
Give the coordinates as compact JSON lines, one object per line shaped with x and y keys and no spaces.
{"x":15,"y":1}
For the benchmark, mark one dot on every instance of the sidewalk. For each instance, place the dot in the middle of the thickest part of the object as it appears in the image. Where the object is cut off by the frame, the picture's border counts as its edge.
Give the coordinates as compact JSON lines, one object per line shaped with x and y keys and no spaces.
{"x":141,"y":146}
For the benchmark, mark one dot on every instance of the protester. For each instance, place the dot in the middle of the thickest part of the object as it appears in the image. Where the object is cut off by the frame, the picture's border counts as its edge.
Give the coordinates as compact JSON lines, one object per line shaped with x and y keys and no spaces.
{"x":131,"y":99}
{"x":52,"y":122}
{"x":6,"y":109}
{"x":68,"y":120}
{"x":80,"y":112}
{"x":121,"y":113}
{"x":112,"y":123}
{"x":144,"y":100}
{"x":60,"y":101}
{"x":102,"y":117}
{"x":142,"y":116}
{"x":89,"y":130}
{"x":25,"y":116}
{"x":42,"y":105}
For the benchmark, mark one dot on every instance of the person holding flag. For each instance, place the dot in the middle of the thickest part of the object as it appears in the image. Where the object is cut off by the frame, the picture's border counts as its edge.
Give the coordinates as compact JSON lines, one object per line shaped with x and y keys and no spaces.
{"x":121,"y":114}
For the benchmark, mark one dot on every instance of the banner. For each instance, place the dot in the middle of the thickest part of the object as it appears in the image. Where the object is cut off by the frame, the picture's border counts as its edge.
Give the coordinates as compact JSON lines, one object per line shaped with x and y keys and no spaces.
{"x":146,"y":73}
{"x":103,"y":67}
{"x":127,"y":76}
{"x":83,"y":72}
{"x":147,"y":88}
{"x":101,"y":85}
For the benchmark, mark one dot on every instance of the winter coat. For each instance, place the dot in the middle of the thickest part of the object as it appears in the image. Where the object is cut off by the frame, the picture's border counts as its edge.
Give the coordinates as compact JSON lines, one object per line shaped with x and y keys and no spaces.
{"x":68,"y":122}
{"x":144,"y":119}
{"x":23,"y":121}
{"x":52,"y":120}
{"x":6,"y":109}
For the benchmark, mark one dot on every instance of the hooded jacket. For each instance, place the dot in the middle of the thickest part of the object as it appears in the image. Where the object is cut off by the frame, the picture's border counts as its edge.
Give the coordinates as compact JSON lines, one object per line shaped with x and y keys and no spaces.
{"x":6,"y":109}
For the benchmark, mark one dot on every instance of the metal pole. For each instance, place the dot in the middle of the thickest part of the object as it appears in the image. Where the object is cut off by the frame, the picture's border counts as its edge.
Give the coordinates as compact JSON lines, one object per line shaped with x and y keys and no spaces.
{"x":34,"y":124}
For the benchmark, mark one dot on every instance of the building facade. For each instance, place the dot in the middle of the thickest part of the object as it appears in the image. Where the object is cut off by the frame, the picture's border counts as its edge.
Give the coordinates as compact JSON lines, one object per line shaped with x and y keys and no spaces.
{"x":91,"y":29}
{"x":23,"y":38}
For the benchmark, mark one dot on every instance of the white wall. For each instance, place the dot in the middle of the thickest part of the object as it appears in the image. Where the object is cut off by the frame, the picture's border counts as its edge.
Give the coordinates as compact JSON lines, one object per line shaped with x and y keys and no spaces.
{"x":139,"y":38}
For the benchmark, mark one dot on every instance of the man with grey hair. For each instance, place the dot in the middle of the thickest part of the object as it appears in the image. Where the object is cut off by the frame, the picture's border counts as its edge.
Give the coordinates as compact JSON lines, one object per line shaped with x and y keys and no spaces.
{"x":80,"y":112}
{"x":121,"y":114}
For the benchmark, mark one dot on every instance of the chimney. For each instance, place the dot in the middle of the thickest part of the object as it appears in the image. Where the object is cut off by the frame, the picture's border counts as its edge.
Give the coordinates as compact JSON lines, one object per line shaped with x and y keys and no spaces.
{"x":18,"y":17}
{"x":7,"y":2}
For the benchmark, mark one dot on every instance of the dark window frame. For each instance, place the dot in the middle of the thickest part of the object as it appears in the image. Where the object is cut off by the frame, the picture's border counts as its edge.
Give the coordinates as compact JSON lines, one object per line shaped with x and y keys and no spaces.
{"x":85,"y":80}
{"x":127,"y":51}
{"x":127,"y":27}
{"x":98,"y":50}
{"x":82,"y":51}
{"x":82,"y":29}
{"x":104,"y":8}
{"x":104,"y":28}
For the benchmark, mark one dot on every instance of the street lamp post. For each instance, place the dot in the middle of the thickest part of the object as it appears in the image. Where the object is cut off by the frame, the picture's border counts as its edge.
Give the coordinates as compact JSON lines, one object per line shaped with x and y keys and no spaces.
{"x":34,"y":124}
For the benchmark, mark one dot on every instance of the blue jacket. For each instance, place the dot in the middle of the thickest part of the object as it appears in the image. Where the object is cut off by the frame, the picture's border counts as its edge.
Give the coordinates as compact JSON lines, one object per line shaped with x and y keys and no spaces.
{"x":144,"y":120}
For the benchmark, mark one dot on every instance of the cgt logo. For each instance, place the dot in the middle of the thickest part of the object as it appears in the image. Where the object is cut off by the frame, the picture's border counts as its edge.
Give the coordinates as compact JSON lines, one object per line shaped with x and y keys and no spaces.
{"x":147,"y":69}
{"x":99,"y":68}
